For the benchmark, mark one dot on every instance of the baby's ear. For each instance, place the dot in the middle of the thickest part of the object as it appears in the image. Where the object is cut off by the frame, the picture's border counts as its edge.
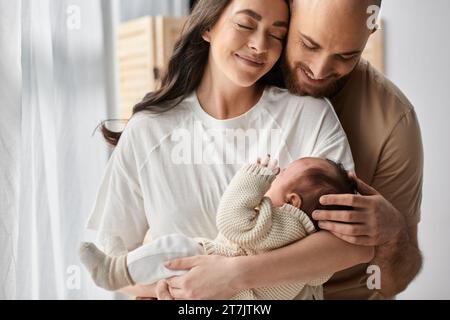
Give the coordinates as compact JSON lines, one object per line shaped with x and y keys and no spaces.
{"x":294,"y":200}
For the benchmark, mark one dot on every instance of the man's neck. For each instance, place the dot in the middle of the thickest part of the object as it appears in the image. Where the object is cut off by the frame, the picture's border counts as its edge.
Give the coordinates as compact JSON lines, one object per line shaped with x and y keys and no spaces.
{"x":342,"y":82}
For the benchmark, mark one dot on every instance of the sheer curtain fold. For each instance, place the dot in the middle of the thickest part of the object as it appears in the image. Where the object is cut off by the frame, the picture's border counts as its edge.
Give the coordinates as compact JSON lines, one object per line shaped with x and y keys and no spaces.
{"x":57,"y":72}
{"x":59,"y":81}
{"x":10,"y":89}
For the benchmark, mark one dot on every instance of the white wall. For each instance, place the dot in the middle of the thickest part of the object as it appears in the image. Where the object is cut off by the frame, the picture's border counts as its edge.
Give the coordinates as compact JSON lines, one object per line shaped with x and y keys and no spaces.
{"x":418,"y":61}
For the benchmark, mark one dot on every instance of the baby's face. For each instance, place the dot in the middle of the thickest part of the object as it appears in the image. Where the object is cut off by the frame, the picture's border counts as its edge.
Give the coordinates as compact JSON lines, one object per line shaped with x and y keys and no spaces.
{"x":293,"y":177}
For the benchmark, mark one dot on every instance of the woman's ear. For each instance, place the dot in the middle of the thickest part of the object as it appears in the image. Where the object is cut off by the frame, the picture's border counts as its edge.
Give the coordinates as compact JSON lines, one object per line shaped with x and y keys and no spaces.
{"x":207,"y":35}
{"x":294,"y":200}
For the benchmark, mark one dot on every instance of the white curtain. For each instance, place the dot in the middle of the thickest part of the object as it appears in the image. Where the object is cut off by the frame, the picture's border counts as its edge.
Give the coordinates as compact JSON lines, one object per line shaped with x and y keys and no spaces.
{"x":57,"y":85}
{"x":58,"y":82}
{"x":10,"y":89}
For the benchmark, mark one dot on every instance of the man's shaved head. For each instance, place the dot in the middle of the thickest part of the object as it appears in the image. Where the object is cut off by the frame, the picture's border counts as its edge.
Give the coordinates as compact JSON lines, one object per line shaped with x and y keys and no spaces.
{"x":364,"y":2}
{"x":325,"y":42}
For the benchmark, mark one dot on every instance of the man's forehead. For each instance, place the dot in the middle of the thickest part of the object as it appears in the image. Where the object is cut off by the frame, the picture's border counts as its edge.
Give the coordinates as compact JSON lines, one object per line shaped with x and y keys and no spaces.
{"x":348,"y":4}
{"x":329,"y":13}
{"x":331,"y":24}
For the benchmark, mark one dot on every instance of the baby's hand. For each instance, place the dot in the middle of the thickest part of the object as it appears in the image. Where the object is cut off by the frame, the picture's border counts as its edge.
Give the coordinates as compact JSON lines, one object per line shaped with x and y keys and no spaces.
{"x":271,"y":164}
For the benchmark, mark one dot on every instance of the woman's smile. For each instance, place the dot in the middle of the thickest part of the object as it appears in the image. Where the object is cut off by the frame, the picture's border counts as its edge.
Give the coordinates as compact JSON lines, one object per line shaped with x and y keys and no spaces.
{"x":250,"y":61}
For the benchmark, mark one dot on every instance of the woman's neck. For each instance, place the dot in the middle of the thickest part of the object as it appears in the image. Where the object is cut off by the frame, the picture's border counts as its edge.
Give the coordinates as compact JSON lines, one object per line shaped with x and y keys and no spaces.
{"x":223,"y":100}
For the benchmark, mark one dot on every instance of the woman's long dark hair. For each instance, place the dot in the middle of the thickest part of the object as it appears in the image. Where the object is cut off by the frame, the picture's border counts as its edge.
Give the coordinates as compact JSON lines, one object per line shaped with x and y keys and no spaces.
{"x":187,"y":65}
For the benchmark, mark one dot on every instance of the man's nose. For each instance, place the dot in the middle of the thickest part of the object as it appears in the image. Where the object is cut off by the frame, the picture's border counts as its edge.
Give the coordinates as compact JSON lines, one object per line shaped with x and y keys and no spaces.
{"x":321,"y":67}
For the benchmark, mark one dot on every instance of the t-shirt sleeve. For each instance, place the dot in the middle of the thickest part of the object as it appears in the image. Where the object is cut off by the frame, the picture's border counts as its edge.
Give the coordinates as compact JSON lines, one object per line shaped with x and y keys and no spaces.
{"x":399,"y":173}
{"x":331,"y":141}
{"x":119,"y":206}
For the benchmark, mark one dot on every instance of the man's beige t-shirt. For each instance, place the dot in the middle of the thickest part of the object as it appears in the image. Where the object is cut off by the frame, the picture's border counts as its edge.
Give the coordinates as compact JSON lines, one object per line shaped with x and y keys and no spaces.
{"x":385,"y":139}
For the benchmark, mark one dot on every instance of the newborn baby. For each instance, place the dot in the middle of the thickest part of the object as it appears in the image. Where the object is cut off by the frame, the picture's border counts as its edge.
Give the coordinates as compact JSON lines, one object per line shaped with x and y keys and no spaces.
{"x":262,"y":209}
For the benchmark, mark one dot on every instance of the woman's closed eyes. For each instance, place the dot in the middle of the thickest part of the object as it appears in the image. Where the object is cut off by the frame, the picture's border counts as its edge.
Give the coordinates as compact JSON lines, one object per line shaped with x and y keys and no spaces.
{"x":280,"y":36}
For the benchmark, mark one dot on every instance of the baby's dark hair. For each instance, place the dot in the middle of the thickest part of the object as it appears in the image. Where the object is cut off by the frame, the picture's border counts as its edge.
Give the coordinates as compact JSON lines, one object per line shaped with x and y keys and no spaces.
{"x":322,"y":182}
{"x":344,"y":184}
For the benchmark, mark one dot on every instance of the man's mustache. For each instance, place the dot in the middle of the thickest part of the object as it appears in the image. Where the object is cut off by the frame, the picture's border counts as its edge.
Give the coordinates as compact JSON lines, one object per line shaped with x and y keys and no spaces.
{"x":301,"y":65}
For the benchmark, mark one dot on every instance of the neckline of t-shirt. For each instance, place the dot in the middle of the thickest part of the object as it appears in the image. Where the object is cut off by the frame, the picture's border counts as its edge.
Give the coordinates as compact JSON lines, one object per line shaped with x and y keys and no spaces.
{"x":236,"y":122}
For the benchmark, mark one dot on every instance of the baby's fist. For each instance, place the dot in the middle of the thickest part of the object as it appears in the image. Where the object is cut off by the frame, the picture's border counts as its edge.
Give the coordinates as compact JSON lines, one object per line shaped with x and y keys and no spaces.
{"x":271,"y":164}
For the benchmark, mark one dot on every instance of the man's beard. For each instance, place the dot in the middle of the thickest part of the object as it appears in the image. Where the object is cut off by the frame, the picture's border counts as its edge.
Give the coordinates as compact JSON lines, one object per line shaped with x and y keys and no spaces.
{"x":295,"y":87}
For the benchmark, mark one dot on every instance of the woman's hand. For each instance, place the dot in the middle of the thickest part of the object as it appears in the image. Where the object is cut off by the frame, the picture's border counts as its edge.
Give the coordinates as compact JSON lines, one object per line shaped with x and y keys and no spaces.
{"x":158,"y":290}
{"x":162,"y":290}
{"x":209,"y":278}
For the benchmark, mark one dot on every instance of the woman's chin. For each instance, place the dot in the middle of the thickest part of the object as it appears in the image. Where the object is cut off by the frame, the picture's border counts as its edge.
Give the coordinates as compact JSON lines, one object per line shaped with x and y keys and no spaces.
{"x":245,"y":80}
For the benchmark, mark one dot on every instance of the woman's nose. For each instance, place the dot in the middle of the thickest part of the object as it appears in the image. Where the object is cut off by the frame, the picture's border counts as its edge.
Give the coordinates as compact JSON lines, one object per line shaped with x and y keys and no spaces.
{"x":258,"y":42}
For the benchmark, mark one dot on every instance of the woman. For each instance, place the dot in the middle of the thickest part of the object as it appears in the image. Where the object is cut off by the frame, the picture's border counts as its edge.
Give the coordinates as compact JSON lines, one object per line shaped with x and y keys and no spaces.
{"x":184,"y":143}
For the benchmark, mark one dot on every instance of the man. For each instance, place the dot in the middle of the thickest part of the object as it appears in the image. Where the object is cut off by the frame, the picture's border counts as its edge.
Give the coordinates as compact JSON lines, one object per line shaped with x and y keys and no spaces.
{"x":323,"y":59}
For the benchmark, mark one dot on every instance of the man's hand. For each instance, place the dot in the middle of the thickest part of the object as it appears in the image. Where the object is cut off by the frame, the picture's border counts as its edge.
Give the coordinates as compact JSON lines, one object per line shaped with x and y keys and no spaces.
{"x":373,"y":222}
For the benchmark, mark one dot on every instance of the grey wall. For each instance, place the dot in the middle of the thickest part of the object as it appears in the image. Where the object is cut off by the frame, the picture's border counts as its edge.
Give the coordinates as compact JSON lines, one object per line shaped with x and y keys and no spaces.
{"x":132,"y":9}
{"x":418,"y":61}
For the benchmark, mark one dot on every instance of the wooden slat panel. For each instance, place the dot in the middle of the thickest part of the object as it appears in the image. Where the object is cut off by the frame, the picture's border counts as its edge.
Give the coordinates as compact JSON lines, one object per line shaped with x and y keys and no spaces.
{"x":144,"y":45}
{"x":136,"y":53}
{"x":134,"y":27}
{"x":168,"y":31}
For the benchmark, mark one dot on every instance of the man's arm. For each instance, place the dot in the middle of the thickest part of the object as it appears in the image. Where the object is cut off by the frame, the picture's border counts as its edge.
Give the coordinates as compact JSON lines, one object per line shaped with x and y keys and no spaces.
{"x":400,"y":261}
{"x":376,"y":222}
{"x":399,"y":179}
{"x":386,"y":214}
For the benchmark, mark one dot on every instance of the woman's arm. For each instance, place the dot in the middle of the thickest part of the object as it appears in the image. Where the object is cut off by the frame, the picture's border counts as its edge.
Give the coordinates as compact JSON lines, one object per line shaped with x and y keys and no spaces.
{"x":140,"y":291}
{"x":158,"y":290}
{"x":318,"y":254}
{"x":310,"y":258}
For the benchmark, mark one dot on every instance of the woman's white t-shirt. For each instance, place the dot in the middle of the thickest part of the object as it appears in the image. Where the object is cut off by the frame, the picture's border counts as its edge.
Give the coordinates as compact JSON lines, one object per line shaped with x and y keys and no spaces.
{"x":170,"y":170}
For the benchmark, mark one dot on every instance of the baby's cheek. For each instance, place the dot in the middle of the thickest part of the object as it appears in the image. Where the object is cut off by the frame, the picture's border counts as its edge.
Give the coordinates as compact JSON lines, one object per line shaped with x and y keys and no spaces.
{"x":275,"y":197}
